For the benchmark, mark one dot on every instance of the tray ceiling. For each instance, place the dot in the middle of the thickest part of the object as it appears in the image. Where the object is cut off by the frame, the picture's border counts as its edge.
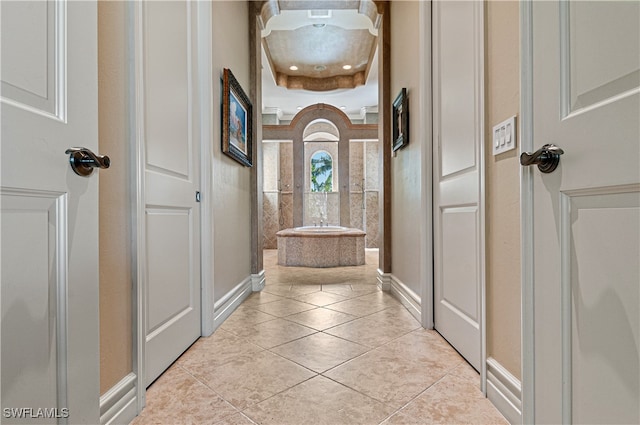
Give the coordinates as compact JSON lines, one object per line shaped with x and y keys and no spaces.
{"x":320,"y":46}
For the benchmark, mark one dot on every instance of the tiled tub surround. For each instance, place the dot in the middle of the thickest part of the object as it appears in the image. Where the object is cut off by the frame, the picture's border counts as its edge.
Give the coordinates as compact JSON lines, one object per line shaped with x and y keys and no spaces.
{"x":278,"y":190}
{"x":319,"y":346}
{"x":331,"y":246}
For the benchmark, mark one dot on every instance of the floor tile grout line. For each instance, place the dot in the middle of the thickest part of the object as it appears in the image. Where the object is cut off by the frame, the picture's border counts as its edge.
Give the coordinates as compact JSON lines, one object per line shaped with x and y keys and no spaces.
{"x":358,"y":391}
{"x":327,"y":370}
{"x":321,"y":330}
{"x":424,"y":391}
{"x":278,"y":393}
{"x":211,"y":389}
{"x":334,"y":381}
{"x":237,"y":408}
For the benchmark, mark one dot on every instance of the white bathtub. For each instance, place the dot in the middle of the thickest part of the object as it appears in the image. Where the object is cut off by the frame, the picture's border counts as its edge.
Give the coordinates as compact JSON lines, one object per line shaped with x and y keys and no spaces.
{"x":319,"y":229}
{"x":327,"y":246}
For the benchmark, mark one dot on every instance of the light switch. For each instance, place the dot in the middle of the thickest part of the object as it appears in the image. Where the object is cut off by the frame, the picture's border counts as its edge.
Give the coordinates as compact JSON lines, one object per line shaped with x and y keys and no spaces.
{"x":504,"y":136}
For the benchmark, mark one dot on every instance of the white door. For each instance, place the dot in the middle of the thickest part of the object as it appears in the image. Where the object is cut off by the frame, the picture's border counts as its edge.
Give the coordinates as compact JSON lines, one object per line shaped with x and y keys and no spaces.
{"x":49,"y":337}
{"x":458,"y":217}
{"x":168,"y":137}
{"x":586,"y":213}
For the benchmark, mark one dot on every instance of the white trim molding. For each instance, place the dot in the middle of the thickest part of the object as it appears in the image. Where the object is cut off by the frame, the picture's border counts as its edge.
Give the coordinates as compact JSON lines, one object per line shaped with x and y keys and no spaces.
{"x":409,"y":299}
{"x":136,"y":137}
{"x":119,"y":404}
{"x":504,"y":391}
{"x":526,"y":211}
{"x":426,"y":196}
{"x":229,"y":302}
{"x":206,"y":85}
{"x":384,"y":280}
{"x":258,"y":281}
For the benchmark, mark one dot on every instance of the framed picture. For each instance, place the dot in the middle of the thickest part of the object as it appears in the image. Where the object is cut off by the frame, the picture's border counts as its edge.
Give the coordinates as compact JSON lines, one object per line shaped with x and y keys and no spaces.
{"x":400,"y":121}
{"x":236,"y":120}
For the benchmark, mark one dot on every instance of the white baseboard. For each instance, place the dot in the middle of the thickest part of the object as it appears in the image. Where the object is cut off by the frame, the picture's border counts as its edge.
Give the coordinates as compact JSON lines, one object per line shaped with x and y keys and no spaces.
{"x":258,"y":281}
{"x":119,"y":405}
{"x":504,"y":391}
{"x":407,"y":297}
{"x":384,"y":280}
{"x":228,"y":303}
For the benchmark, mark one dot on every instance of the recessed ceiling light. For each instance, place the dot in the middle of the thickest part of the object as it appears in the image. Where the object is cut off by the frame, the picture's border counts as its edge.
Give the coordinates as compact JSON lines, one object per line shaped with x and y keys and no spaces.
{"x":299,"y":108}
{"x":343,"y":107}
{"x":319,"y":67}
{"x":293,"y":68}
{"x":315,"y":14}
{"x":346,"y":67}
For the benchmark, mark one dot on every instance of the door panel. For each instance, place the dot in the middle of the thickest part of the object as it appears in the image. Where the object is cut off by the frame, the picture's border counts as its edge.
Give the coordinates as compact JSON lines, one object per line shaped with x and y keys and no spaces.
{"x":49,"y":292}
{"x":605,"y":318}
{"x":601,"y":63}
{"x":456,"y":59}
{"x":167,"y":88}
{"x":168,"y":268}
{"x":458,"y":245}
{"x":33,"y":302}
{"x":587,"y":212}
{"x":171,"y":178}
{"x":459,"y":261}
{"x":33,"y":74}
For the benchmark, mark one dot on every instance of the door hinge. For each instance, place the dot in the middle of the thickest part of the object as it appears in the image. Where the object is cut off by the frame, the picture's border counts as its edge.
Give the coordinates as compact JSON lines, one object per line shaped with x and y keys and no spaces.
{"x":198,"y":197}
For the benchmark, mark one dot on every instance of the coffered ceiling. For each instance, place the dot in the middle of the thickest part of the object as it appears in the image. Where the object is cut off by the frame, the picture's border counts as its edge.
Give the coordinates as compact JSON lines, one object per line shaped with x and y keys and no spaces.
{"x":319,"y":51}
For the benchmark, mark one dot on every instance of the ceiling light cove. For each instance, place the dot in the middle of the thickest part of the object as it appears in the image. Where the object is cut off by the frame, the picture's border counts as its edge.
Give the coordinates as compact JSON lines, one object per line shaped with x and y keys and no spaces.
{"x":332,"y":44}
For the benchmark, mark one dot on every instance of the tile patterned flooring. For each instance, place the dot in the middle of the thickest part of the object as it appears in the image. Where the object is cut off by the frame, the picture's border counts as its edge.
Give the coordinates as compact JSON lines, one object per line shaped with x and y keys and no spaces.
{"x":319,"y":346}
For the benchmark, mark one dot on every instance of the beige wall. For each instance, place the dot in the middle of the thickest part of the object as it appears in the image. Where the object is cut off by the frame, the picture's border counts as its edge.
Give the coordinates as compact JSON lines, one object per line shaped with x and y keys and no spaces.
{"x":231,"y":181}
{"x":115,"y":242}
{"x":406,"y":211}
{"x":502,"y":99}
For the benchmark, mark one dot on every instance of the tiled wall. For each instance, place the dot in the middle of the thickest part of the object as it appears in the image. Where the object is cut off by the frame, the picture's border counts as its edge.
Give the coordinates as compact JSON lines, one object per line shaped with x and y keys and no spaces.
{"x":286,"y":184}
{"x":278,"y":207}
{"x":270,"y":210}
{"x":371,"y":188}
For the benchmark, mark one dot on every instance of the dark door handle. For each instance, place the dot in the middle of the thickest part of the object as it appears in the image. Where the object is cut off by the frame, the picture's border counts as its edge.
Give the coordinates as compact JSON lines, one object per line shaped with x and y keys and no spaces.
{"x":546,"y":158}
{"x":83,"y":161}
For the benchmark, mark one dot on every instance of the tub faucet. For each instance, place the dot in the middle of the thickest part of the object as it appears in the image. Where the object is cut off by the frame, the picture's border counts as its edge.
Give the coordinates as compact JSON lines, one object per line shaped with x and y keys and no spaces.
{"x":320,"y":222}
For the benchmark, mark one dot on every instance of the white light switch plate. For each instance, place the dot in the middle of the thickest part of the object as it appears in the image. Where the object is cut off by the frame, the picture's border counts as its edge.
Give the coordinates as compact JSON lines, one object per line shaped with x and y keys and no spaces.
{"x":504,"y":136}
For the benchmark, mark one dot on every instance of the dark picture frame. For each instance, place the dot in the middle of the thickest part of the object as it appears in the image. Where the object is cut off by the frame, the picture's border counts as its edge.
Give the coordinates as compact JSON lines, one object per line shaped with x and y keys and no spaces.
{"x":237,"y":116}
{"x":400,"y":121}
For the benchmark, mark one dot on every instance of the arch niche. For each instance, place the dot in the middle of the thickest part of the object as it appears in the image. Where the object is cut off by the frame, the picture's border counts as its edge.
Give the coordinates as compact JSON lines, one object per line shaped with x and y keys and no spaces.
{"x":295,"y":132}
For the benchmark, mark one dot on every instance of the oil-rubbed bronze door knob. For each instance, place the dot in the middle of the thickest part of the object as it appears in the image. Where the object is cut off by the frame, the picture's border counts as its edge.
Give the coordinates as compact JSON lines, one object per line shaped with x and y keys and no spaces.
{"x":546,"y":158}
{"x":83,"y":161}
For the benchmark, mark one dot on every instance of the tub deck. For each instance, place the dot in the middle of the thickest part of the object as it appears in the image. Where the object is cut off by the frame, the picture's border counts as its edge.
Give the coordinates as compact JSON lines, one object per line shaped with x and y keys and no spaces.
{"x":321,"y":247}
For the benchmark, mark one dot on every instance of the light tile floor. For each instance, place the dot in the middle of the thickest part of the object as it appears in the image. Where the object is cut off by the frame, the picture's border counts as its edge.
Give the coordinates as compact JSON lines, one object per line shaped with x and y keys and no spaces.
{"x":319,"y":346}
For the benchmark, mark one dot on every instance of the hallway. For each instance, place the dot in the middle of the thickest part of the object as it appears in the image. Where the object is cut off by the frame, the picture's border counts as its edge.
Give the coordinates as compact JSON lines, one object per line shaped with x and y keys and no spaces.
{"x":319,"y":346}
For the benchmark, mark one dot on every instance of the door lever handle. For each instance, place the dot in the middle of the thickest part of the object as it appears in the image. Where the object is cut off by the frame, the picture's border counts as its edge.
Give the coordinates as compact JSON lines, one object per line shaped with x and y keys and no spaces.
{"x":546,"y":158}
{"x":83,"y":161}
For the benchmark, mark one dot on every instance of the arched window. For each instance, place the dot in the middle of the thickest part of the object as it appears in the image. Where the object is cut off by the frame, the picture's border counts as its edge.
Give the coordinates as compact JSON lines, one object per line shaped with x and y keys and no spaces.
{"x":321,"y":172}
